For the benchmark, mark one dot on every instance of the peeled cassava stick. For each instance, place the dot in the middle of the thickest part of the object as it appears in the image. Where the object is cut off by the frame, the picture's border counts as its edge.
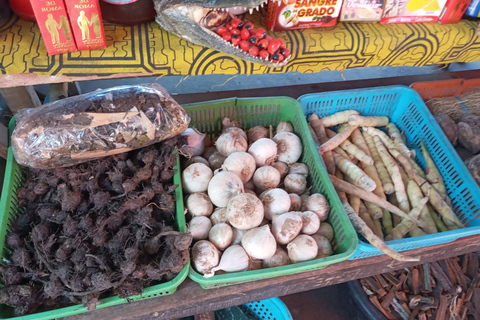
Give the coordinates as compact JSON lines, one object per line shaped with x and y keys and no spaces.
{"x":395,"y":134}
{"x":357,"y":120}
{"x":433,"y":174}
{"x":417,"y":168}
{"x":387,"y":183}
{"x":365,"y":216}
{"x":359,"y":141}
{"x":415,"y":195}
{"x":394,"y":171}
{"x":393,"y":200}
{"x":402,"y":229}
{"x":337,"y":118}
{"x":319,"y":132}
{"x":341,"y":152}
{"x":349,"y":188}
{"x":449,"y":217}
{"x":386,"y":140}
{"x":438,"y":221}
{"x":355,"y":173}
{"x":353,"y":149}
{"x":337,"y":139}
{"x":367,"y":233}
{"x":327,"y":156}
{"x":375,"y":211}
{"x":377,"y":226}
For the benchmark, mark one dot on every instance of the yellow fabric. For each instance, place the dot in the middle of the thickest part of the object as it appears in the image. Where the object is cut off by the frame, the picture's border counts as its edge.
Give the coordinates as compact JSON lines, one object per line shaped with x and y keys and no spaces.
{"x":150,"y":50}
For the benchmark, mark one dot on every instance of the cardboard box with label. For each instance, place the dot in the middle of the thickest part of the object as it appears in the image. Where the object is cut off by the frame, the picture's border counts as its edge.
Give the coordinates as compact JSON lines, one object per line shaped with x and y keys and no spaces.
{"x":408,"y":11}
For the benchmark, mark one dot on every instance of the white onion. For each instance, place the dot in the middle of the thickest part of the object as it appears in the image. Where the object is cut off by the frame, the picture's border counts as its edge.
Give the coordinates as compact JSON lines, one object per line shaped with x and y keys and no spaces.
{"x":231,"y":141}
{"x":233,"y":259}
{"x":286,"y":226}
{"x":326,"y":230}
{"x":282,"y":167}
{"x":220,"y":235}
{"x":275,"y":201}
{"x":245,"y":211}
{"x":284,"y":126}
{"x":299,"y":168}
{"x":199,"y":204}
{"x":289,"y":147}
{"x":259,"y":243}
{"x":219,"y":216}
{"x":256,"y":133}
{"x":224,"y":186}
{"x":266,"y":177}
{"x":237,"y":235}
{"x":196,"y":177}
{"x":295,"y":183}
{"x":324,"y":246}
{"x":318,"y":204}
{"x":196,"y":159}
{"x":242,"y":164}
{"x":295,"y":202}
{"x":302,"y":248}
{"x":199,"y":227}
{"x":205,"y":256}
{"x":216,"y":160}
{"x":264,"y":151}
{"x":311,"y":222}
{"x":280,"y":258}
{"x":195,"y":144}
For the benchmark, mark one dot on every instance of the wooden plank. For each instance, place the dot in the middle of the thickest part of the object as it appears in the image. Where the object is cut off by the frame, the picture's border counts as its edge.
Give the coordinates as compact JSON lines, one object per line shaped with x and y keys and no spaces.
{"x":20,"y":97}
{"x":191,"y":299}
{"x":3,"y":141}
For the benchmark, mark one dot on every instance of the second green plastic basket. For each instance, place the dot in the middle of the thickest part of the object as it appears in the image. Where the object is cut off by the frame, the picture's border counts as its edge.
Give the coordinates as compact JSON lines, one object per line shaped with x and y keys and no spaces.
{"x":249,"y":112}
{"x":9,"y":210}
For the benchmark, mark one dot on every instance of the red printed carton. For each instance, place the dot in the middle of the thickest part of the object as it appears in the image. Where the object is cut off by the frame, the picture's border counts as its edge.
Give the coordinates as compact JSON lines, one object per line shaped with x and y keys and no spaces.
{"x":52,"y":20}
{"x":408,"y":11}
{"x":453,"y":11}
{"x":301,"y":14}
{"x":87,"y":24}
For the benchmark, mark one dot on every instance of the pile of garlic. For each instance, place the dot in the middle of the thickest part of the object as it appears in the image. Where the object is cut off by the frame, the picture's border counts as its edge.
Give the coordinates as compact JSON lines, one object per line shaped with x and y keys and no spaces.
{"x":249,"y":203}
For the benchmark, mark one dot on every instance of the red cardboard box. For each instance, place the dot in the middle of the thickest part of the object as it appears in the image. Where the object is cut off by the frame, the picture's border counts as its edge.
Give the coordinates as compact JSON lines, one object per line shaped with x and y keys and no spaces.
{"x":87,"y":24}
{"x":398,"y":11}
{"x":52,"y":20}
{"x":301,"y":14}
{"x":453,"y":11}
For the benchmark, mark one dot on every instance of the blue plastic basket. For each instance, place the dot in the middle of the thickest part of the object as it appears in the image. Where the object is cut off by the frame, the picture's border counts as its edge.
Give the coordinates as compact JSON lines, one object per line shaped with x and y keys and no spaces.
{"x":270,"y":309}
{"x":406,"y":109}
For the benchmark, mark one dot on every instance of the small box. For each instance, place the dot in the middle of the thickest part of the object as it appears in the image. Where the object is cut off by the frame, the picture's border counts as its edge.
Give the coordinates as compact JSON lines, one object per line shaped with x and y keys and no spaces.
{"x":453,"y":11}
{"x":301,"y":14}
{"x":87,"y":24}
{"x":52,"y":19}
{"x":362,"y":10}
{"x":397,"y":11}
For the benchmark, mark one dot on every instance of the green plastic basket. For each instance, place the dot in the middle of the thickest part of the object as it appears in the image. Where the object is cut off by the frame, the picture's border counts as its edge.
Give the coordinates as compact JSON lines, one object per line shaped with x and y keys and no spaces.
{"x":9,"y":210}
{"x":249,"y":112}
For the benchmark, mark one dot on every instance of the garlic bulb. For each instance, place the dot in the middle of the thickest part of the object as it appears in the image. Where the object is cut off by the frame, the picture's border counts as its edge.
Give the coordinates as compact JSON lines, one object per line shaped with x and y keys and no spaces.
{"x":205,"y":256}
{"x":286,"y":226}
{"x":216,"y":160}
{"x":233,"y":259}
{"x":302,"y":248}
{"x":289,"y":147}
{"x":282,"y":167}
{"x":324,"y":246}
{"x":219,"y":216}
{"x":284,"y":126}
{"x":311,"y":222}
{"x":295,"y":202}
{"x":195,"y":144}
{"x":275,"y":201}
{"x":199,"y":227}
{"x":266,"y":177}
{"x":208,"y":152}
{"x":256,"y":133}
{"x":280,"y":258}
{"x":245,"y":211}
{"x":295,"y":183}
{"x":250,"y":191}
{"x":259,"y":243}
{"x":199,"y":204}
{"x":242,"y":164}
{"x":249,"y":184}
{"x":237,"y":235}
{"x":318,"y":204}
{"x":255,"y":265}
{"x":220,"y":235}
{"x":236,"y":130}
{"x":196,"y":159}
{"x":326,"y":230}
{"x":299,"y":168}
{"x":264,"y":151}
{"x":196,"y":177}
{"x":231,"y":141}
{"x":224,"y":186}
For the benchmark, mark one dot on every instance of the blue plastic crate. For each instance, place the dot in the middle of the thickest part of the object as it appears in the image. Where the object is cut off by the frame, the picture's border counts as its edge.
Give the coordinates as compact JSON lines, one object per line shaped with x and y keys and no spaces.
{"x":270,"y":309}
{"x":406,"y":109}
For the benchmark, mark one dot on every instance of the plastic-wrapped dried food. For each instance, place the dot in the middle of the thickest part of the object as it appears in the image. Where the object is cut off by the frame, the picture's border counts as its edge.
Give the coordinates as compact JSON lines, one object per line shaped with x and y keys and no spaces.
{"x":95,"y":125}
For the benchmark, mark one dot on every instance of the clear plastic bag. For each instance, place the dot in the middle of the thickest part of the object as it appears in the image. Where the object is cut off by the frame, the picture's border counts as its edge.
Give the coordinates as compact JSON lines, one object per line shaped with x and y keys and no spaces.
{"x":96,"y":124}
